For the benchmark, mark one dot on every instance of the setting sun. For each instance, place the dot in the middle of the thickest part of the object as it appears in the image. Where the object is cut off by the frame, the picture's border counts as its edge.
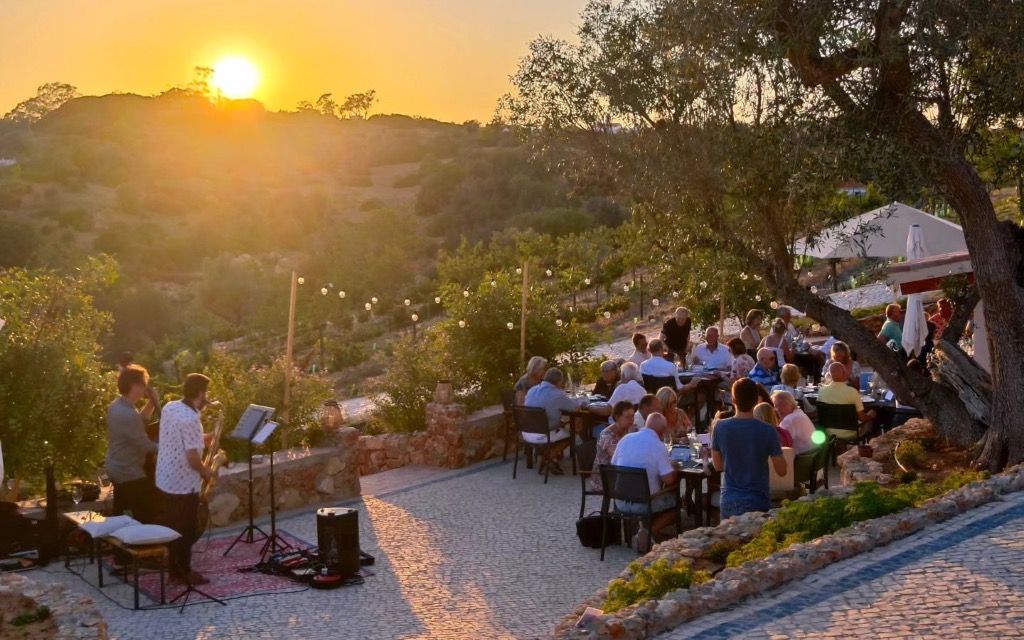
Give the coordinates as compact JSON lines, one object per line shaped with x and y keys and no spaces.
{"x":236,"y":77}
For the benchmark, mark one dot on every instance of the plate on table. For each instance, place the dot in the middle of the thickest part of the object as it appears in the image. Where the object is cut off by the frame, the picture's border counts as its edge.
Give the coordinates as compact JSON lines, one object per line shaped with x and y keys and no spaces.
{"x":599,"y":403}
{"x":867,"y":399}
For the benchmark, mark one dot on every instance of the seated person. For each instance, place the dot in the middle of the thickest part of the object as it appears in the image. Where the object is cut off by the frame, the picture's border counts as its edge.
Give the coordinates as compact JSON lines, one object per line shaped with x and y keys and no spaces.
{"x":645,"y":450}
{"x":742,"y":364}
{"x":794,"y":421}
{"x":658,"y":366}
{"x":892,"y":330}
{"x":838,"y":392}
{"x":630,"y":387}
{"x":535,"y":369}
{"x":678,"y":422}
{"x":609,"y":379}
{"x":764,"y":372}
{"x":778,"y":342}
{"x":640,"y":351}
{"x":648,"y":404}
{"x":548,"y":395}
{"x":622,"y":416}
{"x":789,"y":378}
{"x":740,"y":448}
{"x":840,"y":352}
{"x":766,"y":413}
{"x":712,"y":354}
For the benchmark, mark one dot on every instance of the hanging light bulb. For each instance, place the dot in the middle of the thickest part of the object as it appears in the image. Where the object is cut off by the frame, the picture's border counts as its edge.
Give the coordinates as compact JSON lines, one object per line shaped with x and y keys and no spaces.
{"x":814,"y":290}
{"x":415,"y":318}
{"x":367,"y":306}
{"x":758,"y":278}
{"x":655,"y":302}
{"x":625,"y":288}
{"x":494,"y":283}
{"x":462,"y":324}
{"x":519,"y":271}
{"x":558,"y":322}
{"x":586,"y":281}
{"x":301,"y":280}
{"x":407,"y":302}
{"x":341,"y":294}
{"x":465,"y":293}
{"x":374,"y":300}
{"x":796,"y":264}
{"x":703,"y":285}
{"x":675,"y":294}
{"x":758,"y":298}
{"x":548,"y":272}
{"x":330,"y":285}
{"x":607,"y":314}
{"x":437,"y":299}
{"x":815,"y":327}
{"x":510,"y":326}
{"x":743,"y":276}
{"x":323,"y":291}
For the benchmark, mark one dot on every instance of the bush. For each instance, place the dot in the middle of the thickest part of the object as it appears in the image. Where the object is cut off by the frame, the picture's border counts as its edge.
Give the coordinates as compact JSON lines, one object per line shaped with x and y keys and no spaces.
{"x":408,"y":180}
{"x":77,"y":219}
{"x":345,"y":354}
{"x":652,"y":582}
{"x":910,"y":454}
{"x":615,"y":305}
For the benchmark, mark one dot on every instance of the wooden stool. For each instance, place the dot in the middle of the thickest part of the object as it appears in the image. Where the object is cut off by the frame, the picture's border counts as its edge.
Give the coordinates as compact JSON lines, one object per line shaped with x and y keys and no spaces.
{"x":136,"y":553}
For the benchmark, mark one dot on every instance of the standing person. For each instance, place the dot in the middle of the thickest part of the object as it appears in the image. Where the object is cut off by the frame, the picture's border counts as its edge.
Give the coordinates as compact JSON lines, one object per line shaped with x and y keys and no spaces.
{"x":675,"y":333}
{"x":128,"y":445}
{"x":740,"y":446}
{"x":180,"y":474}
{"x":640,"y":353}
{"x":535,"y":370}
{"x":941,"y":317}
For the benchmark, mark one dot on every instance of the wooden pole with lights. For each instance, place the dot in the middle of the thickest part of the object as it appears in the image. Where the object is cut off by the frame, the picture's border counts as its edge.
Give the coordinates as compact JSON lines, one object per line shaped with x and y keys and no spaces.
{"x":522,"y":320}
{"x":289,"y":352}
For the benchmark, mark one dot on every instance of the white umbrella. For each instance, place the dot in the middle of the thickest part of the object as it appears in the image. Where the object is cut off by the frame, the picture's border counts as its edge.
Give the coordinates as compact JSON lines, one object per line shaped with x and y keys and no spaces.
{"x":915,"y":323}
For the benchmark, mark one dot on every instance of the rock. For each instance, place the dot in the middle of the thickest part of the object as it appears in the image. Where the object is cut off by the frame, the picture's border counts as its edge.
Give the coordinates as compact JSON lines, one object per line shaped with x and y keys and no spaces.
{"x":289,"y":499}
{"x":334,"y":465}
{"x":221,"y":508}
{"x":325,"y":484}
{"x":372,"y":443}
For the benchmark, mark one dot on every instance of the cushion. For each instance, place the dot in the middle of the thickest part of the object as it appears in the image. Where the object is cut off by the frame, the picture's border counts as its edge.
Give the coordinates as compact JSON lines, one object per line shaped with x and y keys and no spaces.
{"x":145,"y":534}
{"x":107,"y":526}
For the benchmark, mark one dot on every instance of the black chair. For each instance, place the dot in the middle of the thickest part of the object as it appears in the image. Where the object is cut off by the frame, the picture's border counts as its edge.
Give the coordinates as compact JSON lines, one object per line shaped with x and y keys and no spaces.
{"x":586,"y":453}
{"x":841,"y":421}
{"x":807,"y":464}
{"x":533,"y":420}
{"x":653,"y":383}
{"x":508,"y":400}
{"x":630,"y":484}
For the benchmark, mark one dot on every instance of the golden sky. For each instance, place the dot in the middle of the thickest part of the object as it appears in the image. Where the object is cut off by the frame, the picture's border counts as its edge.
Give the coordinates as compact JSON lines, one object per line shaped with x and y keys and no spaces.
{"x":445,"y":59}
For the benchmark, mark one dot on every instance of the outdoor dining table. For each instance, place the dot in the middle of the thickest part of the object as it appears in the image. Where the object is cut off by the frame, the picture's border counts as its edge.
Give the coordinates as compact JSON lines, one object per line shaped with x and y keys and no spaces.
{"x":693,"y":474}
{"x":887,"y":410}
{"x":708,"y":389}
{"x":582,"y":420}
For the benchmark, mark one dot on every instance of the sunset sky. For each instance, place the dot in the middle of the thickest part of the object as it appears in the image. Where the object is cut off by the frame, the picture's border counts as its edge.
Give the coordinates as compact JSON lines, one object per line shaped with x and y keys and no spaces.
{"x":446,"y":59}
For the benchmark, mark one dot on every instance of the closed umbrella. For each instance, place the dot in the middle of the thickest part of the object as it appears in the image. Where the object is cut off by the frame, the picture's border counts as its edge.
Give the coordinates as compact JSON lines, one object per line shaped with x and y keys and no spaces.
{"x":915,"y":323}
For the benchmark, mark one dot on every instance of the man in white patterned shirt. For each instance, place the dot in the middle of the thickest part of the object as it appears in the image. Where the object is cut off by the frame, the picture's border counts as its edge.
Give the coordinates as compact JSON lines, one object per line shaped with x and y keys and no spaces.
{"x":180,"y":473}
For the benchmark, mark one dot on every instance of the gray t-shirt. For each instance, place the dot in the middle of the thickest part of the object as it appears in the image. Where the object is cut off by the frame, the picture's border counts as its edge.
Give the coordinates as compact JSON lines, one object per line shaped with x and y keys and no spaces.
{"x":127,"y":444}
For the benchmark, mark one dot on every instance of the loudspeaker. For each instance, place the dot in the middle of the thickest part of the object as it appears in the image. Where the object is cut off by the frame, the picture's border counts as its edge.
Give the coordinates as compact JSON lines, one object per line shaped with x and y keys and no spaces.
{"x":337,"y":537}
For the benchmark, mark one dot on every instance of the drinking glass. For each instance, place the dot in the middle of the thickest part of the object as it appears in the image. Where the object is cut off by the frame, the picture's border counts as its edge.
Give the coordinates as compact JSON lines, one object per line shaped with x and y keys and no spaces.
{"x":76,"y":494}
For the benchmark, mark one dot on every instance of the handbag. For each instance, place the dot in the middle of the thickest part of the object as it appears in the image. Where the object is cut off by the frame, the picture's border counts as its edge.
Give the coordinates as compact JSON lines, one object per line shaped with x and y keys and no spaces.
{"x":588,"y":530}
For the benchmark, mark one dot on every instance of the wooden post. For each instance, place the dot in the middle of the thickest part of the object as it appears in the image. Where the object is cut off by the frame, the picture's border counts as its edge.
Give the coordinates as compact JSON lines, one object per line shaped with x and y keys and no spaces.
{"x":286,"y":412}
{"x":721,"y":311}
{"x":522,"y":319}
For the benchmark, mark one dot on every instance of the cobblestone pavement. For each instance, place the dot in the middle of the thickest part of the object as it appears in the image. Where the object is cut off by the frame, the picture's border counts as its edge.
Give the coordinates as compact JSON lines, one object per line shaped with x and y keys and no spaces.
{"x":961,"y":579}
{"x":470,"y":554}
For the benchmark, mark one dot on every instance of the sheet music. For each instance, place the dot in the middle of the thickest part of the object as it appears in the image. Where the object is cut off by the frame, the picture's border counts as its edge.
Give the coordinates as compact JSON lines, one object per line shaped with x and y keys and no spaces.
{"x":265,"y":432}
{"x":251,"y":421}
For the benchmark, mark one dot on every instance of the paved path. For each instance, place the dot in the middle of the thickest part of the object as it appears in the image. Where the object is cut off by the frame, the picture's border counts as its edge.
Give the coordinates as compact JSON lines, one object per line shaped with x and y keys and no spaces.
{"x":466,"y":554}
{"x":961,"y":579}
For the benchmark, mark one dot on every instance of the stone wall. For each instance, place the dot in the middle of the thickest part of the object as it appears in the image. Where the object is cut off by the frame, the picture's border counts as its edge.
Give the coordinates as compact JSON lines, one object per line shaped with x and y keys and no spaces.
{"x":853,"y":468}
{"x":301,"y":477}
{"x":454,"y":439}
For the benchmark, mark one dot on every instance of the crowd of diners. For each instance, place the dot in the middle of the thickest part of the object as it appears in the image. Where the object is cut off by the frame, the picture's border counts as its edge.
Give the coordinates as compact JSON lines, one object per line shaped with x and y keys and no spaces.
{"x":762,"y":375}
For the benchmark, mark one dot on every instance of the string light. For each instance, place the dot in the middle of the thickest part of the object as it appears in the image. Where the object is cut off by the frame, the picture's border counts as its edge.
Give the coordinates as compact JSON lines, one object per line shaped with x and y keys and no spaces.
{"x":607,"y":314}
{"x":494,"y":283}
{"x":415,"y":317}
{"x":559,"y":322}
{"x":655,"y":302}
{"x":437,"y":299}
{"x":743,"y":276}
{"x":341,"y":294}
{"x":462,"y":324}
{"x":587,"y":282}
{"x":407,"y":302}
{"x":367,"y":306}
{"x":510,"y":326}
{"x":465,"y":293}
{"x":374,"y":300}
{"x":796,"y":264}
{"x":548,"y":272}
{"x":814,"y":290}
{"x":625,"y":288}
{"x":758,"y":278}
{"x":815,"y":327}
{"x":703,"y":285}
{"x":675,"y":294}
{"x":323,"y":291}
{"x":302,"y":280}
{"x":519,"y":271}
{"x":758,"y":298}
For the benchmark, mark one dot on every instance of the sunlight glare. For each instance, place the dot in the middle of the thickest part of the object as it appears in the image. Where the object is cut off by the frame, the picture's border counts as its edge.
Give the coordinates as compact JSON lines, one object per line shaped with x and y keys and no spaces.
{"x":236,"y":77}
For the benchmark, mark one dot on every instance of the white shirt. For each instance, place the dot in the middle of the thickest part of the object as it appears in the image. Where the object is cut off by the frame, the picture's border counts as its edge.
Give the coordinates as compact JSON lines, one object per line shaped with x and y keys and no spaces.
{"x":646,"y":450}
{"x":721,"y":359}
{"x":660,"y":368}
{"x":632,"y":391}
{"x":639,"y":357}
{"x":801,"y":428}
{"x":180,"y":431}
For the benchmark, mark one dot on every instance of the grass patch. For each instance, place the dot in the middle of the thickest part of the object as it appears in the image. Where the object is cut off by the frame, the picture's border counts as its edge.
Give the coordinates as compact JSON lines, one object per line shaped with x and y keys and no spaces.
{"x":652,"y":582}
{"x":40,"y":614}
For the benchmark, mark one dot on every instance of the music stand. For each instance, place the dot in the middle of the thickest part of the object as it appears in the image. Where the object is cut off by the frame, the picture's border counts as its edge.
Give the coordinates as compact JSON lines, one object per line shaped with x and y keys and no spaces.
{"x":248,"y":427}
{"x":274,"y":540}
{"x":187,"y":593}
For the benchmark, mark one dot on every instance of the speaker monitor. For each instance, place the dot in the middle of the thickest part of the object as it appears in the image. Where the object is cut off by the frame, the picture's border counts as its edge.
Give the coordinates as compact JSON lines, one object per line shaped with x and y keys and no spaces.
{"x":337,"y":537}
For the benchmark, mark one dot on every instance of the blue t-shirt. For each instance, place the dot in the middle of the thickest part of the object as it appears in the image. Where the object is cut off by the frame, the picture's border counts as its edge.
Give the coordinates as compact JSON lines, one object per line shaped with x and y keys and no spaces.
{"x":745,"y":445}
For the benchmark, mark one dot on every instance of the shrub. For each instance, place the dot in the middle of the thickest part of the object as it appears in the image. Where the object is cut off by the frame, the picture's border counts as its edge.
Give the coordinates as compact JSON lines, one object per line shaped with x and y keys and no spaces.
{"x":615,"y":305}
{"x":719,"y":552}
{"x":408,"y":180}
{"x":345,"y":354}
{"x":652,"y":582}
{"x":910,"y":454}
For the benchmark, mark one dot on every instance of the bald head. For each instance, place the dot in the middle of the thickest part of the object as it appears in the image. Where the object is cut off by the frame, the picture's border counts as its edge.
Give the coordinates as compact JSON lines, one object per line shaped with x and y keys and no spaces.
{"x":837,"y":371}
{"x":657,"y":423}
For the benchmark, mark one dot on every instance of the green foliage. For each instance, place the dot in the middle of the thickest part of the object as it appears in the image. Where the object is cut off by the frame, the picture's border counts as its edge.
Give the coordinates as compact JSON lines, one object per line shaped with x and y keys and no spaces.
{"x":345,"y":354}
{"x":408,"y":385}
{"x":803,"y":521}
{"x":53,"y":387}
{"x":19,"y":242}
{"x":719,"y":552}
{"x":40,"y":614}
{"x":77,"y":219}
{"x":652,"y":582}
{"x":910,"y":454}
{"x":237,"y":384}
{"x":617,"y":304}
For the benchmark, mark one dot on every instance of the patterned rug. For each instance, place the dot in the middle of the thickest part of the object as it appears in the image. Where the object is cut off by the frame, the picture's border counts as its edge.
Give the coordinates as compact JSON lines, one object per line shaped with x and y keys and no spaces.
{"x":226,"y":579}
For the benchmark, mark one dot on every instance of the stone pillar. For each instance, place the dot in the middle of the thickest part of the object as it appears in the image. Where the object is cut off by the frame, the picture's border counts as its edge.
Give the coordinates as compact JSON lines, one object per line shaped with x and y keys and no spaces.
{"x":446,"y":426}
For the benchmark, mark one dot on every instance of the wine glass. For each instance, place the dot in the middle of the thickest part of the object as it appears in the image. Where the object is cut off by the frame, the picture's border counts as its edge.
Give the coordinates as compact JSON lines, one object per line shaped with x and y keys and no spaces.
{"x":76,"y":494}
{"x":873,"y":384}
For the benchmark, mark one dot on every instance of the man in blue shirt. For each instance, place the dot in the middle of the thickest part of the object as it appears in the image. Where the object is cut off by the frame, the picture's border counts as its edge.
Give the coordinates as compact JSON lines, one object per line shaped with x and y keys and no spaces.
{"x":765,"y":372}
{"x":740,"y":449}
{"x":548,"y":395}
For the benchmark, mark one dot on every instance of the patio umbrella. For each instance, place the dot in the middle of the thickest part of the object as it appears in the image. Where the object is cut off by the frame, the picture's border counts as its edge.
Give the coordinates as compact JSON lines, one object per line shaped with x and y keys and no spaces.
{"x":915,"y":323}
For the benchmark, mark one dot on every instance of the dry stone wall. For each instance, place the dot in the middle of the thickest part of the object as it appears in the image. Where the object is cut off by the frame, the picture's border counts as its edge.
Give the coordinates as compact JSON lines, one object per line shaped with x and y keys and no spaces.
{"x":75,"y":615}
